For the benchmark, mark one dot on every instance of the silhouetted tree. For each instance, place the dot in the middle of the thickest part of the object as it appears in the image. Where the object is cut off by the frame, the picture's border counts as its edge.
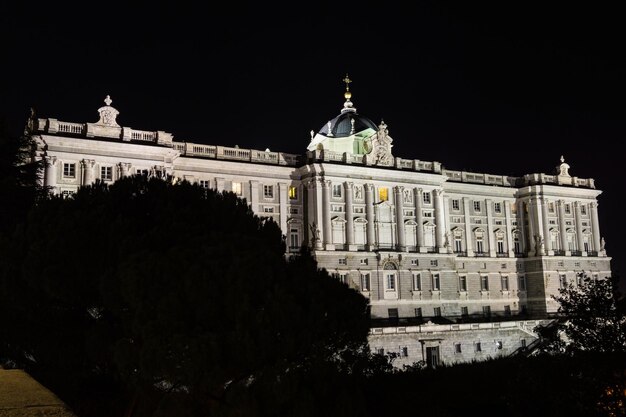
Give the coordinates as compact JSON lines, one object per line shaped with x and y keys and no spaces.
{"x":590,"y":320}
{"x":147,"y":296}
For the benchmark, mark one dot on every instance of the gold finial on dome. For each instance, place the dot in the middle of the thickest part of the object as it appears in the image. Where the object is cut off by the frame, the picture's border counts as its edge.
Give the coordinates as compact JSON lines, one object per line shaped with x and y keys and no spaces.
{"x":347,"y":94}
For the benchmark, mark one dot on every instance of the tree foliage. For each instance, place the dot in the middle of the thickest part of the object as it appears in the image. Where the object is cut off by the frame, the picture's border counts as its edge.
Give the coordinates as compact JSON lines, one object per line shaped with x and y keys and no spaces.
{"x":153,"y":294}
{"x":590,"y":319}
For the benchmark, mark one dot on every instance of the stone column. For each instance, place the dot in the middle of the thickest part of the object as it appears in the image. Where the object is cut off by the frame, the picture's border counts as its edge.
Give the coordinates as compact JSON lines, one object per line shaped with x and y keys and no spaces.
{"x":446,"y":216}
{"x":87,"y":166}
{"x":546,"y":227}
{"x":595,"y":227}
{"x":522,"y":227}
{"x":327,"y":237}
{"x":491,"y":238}
{"x":469,"y":246}
{"x":254,"y":196}
{"x":282,"y":199}
{"x":439,"y":218}
{"x":349,"y":192}
{"x":509,"y":229}
{"x":419,"y":196}
{"x":398,"y":194}
{"x":562,"y":228}
{"x":51,"y":172}
{"x":535,"y":220}
{"x":579,"y":229}
{"x":369,"y":215}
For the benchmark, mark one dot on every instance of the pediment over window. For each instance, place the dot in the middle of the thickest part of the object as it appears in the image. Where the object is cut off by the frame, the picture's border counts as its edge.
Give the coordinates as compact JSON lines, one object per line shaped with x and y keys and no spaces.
{"x":429,"y":223}
{"x":338,"y":219}
{"x":360,"y":220}
{"x":293,"y":220}
{"x":410,"y":222}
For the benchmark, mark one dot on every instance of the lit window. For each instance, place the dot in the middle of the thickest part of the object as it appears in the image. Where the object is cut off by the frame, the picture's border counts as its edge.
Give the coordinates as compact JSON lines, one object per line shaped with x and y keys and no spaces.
{"x":69,"y":170}
{"x":456,"y":205}
{"x":383,"y":194}
{"x":426,"y":197}
{"x":106,"y":173}
{"x":293,"y":192}
{"x":237,"y":188}
{"x":268,"y":191}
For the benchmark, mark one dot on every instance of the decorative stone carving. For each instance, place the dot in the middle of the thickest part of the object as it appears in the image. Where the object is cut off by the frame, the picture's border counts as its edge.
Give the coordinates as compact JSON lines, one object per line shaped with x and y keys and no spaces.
{"x":379,"y":147}
{"x":108,"y":114}
{"x":563,"y":169}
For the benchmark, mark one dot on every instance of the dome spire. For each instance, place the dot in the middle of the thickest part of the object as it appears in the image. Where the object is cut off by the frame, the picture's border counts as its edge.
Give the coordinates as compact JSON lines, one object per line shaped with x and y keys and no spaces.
{"x":347,"y":106}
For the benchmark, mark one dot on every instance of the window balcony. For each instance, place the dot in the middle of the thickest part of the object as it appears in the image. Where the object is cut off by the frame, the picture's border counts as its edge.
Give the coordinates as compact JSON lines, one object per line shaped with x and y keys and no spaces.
{"x":577,"y":253}
{"x":481,"y":254}
{"x":502,"y":255}
{"x":592,"y":253}
{"x":559,"y":252}
{"x":460,"y":253}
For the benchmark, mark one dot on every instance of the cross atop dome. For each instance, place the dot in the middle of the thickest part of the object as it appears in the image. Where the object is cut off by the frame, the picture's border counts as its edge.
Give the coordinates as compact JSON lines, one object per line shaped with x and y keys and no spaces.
{"x":347,"y":106}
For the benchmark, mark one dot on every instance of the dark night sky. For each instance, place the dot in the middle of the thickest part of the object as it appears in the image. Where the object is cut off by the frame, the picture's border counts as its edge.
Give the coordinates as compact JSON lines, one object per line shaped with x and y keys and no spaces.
{"x":503,"y":88}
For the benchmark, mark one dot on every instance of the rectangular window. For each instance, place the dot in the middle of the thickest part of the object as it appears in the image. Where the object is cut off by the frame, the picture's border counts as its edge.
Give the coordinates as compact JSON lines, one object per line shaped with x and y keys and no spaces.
{"x":106,"y":173}
{"x":477,"y":206}
{"x":568,"y":208}
{"x":404,"y":352}
{"x":343,"y":278}
{"x":522,"y":343}
{"x":365,"y":282}
{"x":237,"y":188}
{"x":437,"y":311}
{"x":409,"y":213}
{"x":486,"y":311}
{"x":579,"y":280}
{"x":414,"y":262}
{"x":583,"y":209}
{"x":393,"y":313}
{"x":499,"y":344}
{"x":204,"y":184}
{"x":293,"y":210}
{"x":417,"y":282}
{"x":500,"y":246}
{"x":363,"y":261}
{"x":418,"y":311}
{"x":337,"y":190}
{"x":502,"y":266}
{"x":143,"y":172}
{"x":464,"y":311}
{"x":426,"y":197}
{"x":497,"y":207}
{"x":484,"y":283}
{"x":343,"y":261}
{"x":551,"y":207}
{"x":268,"y":191}
{"x":268,"y":209}
{"x":436,"y":282}
{"x":522,"y":283}
{"x":478,"y":347}
{"x":66,"y":193}
{"x":456,"y":205}
{"x":391,"y":282}
{"x":434,"y":262}
{"x":69,"y":170}
{"x":383,"y":194}
{"x":337,"y":208}
{"x":507,"y":310}
{"x":479,"y":246}
{"x":560,"y":263}
{"x":294,"y":239}
{"x":359,"y":210}
{"x":380,"y":351}
{"x":462,"y":283}
{"x":457,"y":348}
{"x":505,"y":282}
{"x":293,"y":192}
{"x":458,"y":245}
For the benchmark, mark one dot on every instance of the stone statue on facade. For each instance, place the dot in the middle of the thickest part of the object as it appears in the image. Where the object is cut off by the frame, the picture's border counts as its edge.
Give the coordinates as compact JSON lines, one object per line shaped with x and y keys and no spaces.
{"x":602,"y":244}
{"x":315,"y":234}
{"x":358,"y":193}
{"x":539,"y":243}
